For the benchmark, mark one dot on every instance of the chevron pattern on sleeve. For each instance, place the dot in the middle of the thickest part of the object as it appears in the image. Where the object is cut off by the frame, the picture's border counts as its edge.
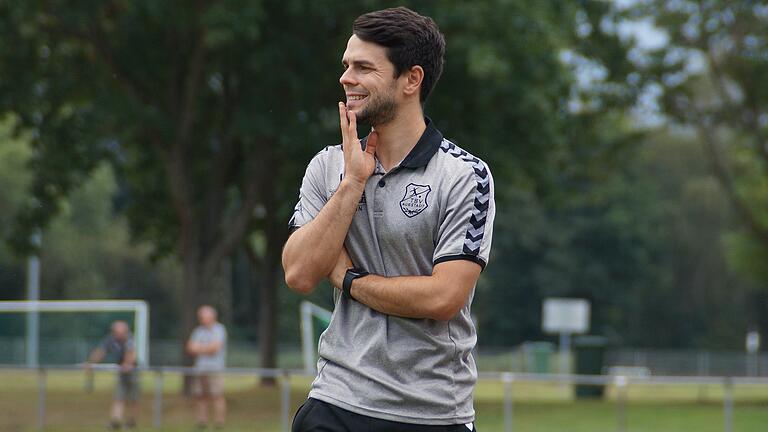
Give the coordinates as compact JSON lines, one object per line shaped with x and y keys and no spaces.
{"x":476,"y":225}
{"x":296,"y":211}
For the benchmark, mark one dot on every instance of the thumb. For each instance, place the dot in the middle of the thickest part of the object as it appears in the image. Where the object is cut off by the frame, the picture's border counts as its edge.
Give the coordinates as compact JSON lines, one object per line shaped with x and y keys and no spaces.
{"x":372,"y":142}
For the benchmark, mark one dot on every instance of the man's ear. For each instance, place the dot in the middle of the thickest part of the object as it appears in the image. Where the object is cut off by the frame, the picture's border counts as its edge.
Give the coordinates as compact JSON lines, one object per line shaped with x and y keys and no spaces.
{"x":413,"y":79}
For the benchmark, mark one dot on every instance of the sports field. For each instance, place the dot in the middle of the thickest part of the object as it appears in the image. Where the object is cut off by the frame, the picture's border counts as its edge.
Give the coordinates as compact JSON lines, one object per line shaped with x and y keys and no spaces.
{"x":537,"y":407}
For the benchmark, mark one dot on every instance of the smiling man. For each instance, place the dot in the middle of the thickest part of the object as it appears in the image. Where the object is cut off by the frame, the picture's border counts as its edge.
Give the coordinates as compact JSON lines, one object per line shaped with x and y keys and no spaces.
{"x":401,"y":225}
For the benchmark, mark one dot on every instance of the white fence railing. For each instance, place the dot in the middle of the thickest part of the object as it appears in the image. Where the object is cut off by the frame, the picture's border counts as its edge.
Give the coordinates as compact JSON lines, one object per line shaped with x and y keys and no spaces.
{"x":620,"y":383}
{"x":666,"y":362}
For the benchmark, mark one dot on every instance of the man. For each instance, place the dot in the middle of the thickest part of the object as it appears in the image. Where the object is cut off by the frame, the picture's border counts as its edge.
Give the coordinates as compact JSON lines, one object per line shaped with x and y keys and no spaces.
{"x":208,"y":343}
{"x":120,"y":348}
{"x":401,"y":225}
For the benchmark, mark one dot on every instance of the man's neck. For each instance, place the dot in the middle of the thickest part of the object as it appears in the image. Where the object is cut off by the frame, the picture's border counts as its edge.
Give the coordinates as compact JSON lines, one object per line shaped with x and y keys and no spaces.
{"x":398,"y":137}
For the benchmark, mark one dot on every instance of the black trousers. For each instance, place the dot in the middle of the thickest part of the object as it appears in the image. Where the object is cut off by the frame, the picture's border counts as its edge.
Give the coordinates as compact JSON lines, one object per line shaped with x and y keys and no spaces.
{"x":318,"y":416}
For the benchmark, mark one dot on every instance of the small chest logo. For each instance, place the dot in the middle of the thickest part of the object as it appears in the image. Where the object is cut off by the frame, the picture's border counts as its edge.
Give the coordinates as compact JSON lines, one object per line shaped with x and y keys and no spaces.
{"x":362,"y":203}
{"x":415,"y":199}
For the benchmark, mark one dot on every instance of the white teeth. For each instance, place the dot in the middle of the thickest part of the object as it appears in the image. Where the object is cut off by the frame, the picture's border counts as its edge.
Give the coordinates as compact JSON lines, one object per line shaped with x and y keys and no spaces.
{"x":354,"y":98}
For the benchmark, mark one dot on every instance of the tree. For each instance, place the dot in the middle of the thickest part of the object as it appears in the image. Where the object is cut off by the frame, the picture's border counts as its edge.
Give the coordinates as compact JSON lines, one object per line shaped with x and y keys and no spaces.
{"x":209,"y":111}
{"x":709,"y":72}
{"x":555,"y":144}
{"x":14,"y":154}
{"x":87,"y":251}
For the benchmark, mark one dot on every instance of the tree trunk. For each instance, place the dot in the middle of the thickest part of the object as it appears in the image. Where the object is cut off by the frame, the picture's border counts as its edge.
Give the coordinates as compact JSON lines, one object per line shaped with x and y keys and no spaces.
{"x":269,"y":284}
{"x":268,"y":310}
{"x":191,"y":298}
{"x":267,"y":327}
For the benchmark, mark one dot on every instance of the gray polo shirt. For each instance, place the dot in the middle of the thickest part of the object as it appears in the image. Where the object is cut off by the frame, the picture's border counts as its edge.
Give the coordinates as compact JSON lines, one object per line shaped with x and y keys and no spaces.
{"x":435,"y":206}
{"x":218,"y":360}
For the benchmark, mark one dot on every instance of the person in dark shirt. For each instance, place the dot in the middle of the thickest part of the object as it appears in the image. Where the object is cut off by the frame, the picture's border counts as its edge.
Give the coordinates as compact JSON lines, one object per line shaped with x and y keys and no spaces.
{"x":119,"y":347}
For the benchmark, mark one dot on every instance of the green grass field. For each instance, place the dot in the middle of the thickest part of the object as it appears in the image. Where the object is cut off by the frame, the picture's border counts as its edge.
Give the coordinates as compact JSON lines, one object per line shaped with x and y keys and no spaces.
{"x":537,"y":407}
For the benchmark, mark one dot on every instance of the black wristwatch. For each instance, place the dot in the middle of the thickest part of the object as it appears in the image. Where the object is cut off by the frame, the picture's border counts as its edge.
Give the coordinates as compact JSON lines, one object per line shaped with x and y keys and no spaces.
{"x":351,"y":275}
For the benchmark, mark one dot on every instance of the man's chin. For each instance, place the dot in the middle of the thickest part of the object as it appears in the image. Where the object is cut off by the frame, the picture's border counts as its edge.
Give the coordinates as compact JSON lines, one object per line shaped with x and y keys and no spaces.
{"x":363,"y":118}
{"x":375,"y":118}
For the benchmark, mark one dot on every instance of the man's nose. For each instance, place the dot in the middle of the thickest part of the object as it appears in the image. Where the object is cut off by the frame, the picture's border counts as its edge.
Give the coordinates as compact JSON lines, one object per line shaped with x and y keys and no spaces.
{"x":347,"y":78}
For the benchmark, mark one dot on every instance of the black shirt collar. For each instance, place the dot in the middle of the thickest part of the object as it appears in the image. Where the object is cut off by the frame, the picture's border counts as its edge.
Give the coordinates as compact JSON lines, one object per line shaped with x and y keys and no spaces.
{"x":427,"y":146}
{"x":424,"y":149}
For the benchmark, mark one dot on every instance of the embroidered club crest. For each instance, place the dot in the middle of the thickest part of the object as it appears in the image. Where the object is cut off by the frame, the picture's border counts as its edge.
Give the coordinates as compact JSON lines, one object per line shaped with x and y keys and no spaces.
{"x":415,"y":199}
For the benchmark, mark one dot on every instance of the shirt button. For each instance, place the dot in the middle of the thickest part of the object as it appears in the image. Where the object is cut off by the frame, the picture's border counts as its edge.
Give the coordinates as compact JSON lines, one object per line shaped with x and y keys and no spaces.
{"x":382,"y":183}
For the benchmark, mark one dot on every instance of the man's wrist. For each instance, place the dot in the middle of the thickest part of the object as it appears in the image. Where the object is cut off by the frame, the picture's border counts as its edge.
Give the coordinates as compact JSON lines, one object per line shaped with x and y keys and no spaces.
{"x":353,"y":185}
{"x":349,"y":277}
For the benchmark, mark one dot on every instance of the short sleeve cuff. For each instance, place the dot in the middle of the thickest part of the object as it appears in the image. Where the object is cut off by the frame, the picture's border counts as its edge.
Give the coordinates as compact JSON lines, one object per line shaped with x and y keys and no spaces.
{"x":473,"y":258}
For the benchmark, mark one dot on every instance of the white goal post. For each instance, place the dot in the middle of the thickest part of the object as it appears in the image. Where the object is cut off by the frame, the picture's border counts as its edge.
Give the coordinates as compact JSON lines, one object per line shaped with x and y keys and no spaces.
{"x":308,"y":338}
{"x":138,"y":307}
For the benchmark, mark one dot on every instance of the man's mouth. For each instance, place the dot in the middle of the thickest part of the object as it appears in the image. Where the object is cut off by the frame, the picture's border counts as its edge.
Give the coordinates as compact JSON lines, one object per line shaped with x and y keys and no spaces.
{"x":356,"y":97}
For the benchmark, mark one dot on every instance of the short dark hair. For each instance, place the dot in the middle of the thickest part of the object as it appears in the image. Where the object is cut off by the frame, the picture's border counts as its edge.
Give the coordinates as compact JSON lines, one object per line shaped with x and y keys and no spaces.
{"x":409,"y":38}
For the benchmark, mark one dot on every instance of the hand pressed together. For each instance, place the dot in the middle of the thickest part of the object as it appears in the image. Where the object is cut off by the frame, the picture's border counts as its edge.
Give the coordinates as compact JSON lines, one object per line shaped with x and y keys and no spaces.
{"x":358,"y":163}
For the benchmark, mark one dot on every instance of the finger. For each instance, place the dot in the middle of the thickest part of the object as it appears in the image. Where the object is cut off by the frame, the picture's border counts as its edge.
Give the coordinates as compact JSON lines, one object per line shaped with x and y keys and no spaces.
{"x":343,"y":121}
{"x":372,"y":142}
{"x":352,"y":126}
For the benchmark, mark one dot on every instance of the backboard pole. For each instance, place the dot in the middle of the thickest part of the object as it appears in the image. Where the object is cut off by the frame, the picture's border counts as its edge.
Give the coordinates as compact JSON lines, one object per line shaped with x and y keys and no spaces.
{"x":33,"y":294}
{"x":565,"y":351}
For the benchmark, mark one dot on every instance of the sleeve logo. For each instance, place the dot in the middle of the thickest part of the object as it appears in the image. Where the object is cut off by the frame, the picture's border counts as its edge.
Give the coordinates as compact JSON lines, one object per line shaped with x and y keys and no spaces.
{"x":415,"y":199}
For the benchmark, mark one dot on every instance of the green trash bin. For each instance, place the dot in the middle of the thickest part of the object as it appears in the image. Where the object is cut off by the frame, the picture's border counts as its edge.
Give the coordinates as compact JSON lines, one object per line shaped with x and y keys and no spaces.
{"x":589,"y":352}
{"x":538,"y":356}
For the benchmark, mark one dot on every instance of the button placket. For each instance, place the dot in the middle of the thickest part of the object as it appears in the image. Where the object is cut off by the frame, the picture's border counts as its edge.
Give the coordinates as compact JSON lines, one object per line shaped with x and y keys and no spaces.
{"x":379,"y":195}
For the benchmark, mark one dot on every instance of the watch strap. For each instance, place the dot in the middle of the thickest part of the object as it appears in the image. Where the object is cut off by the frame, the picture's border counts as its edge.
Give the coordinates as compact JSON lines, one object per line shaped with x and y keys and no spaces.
{"x":352,"y":274}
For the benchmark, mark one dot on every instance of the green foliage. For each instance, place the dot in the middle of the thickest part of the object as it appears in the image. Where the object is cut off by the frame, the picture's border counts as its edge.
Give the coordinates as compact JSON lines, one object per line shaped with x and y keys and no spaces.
{"x":87,"y":251}
{"x":14,"y":179}
{"x":748,"y":256}
{"x":268,"y":92}
{"x":14,"y":155}
{"x":160,"y":130}
{"x":710,"y":71}
{"x":645,"y":244}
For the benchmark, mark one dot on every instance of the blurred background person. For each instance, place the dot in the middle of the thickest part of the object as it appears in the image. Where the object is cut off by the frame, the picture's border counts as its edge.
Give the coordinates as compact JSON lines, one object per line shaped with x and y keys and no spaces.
{"x":119,"y":347}
{"x":208,"y":343}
